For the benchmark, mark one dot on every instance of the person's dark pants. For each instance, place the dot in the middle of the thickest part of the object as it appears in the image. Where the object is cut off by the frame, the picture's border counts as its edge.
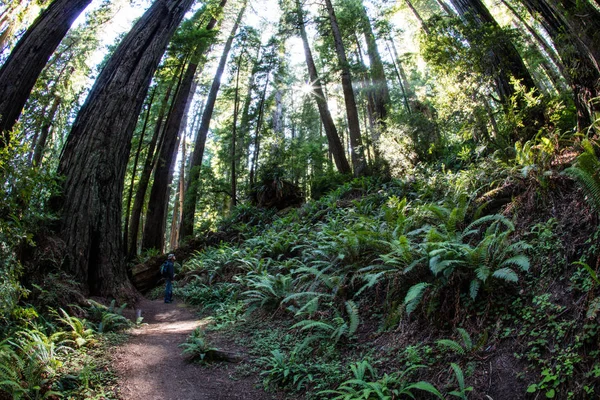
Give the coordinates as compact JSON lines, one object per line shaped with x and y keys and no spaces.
{"x":169,"y":291}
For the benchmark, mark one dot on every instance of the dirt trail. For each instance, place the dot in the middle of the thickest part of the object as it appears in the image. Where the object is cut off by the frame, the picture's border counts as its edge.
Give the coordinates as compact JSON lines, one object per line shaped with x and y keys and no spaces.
{"x":150,"y":365}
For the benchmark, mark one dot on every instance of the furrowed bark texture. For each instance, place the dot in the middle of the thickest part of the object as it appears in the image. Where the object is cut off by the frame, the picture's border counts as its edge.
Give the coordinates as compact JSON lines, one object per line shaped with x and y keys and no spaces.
{"x":30,"y":56}
{"x":95,"y":157}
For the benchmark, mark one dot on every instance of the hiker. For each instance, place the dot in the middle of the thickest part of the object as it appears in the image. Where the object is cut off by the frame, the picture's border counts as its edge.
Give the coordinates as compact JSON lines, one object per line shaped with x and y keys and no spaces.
{"x":168,"y":275}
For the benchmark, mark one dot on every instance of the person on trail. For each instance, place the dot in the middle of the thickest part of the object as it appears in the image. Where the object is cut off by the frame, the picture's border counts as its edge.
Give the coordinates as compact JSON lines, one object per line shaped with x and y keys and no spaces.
{"x":169,"y":273}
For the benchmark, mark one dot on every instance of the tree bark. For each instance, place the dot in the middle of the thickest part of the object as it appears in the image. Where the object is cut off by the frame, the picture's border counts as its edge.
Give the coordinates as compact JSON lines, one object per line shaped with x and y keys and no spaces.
{"x":191,"y":195}
{"x":255,"y":154}
{"x":335,"y":144}
{"x":380,"y":96}
{"x":154,"y":229}
{"x":95,"y":157}
{"x":25,"y":63}
{"x":359,"y":165}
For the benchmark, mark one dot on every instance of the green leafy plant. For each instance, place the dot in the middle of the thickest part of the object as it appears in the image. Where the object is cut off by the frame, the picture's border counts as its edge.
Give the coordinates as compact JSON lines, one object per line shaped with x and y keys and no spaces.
{"x":365,"y":385}
{"x":467,"y":346}
{"x":80,"y":334}
{"x":338,"y":328}
{"x":285,"y":371}
{"x":197,"y":347}
{"x":463,"y":389}
{"x":266,"y":290}
{"x":586,"y":172}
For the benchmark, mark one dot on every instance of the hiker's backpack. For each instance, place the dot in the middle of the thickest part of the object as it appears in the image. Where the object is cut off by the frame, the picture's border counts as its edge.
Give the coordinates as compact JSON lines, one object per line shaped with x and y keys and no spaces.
{"x":164,"y":269}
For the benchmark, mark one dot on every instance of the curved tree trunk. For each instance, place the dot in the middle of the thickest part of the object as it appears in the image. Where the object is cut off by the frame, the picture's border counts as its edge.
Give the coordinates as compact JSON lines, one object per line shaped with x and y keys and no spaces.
{"x":136,"y":159}
{"x":28,"y":58}
{"x":95,"y":157}
{"x":359,"y":165}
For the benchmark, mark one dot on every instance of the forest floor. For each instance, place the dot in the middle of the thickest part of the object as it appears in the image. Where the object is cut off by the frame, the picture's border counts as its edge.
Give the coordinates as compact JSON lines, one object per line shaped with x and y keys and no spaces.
{"x":151,"y":366}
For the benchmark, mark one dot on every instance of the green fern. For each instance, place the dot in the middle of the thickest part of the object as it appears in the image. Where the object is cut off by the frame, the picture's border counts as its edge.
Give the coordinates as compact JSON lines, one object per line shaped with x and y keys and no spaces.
{"x":586,"y":172}
{"x":414,"y":296}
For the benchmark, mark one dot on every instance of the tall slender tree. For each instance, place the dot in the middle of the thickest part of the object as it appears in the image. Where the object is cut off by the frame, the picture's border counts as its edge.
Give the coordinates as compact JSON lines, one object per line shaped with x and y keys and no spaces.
{"x":25,"y":63}
{"x":333,"y":139}
{"x":359,"y":165}
{"x":154,"y":229}
{"x":191,"y":195}
{"x":95,"y":156}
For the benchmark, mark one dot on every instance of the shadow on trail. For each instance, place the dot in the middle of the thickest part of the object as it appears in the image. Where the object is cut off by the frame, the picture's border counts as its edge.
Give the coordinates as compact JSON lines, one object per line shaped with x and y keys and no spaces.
{"x":151,"y":367}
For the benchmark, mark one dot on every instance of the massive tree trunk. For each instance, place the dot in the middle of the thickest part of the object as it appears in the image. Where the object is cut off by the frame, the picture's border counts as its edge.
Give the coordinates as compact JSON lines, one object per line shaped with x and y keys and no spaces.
{"x":581,"y":70}
{"x":333,"y":139}
{"x":191,"y":193}
{"x":95,"y":157}
{"x":154,"y":229}
{"x":359,"y":165}
{"x":28,"y":58}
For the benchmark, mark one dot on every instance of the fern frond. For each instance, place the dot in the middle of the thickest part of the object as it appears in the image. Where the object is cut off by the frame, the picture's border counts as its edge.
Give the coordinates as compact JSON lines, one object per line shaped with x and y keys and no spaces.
{"x":426,"y":387}
{"x":506,"y":274}
{"x":414,"y":295}
{"x":589,"y":184}
{"x":474,"y":288}
{"x":521,"y":261}
{"x":308,"y":324}
{"x":491,"y":218}
{"x":451,"y":345}
{"x":466,"y":338}
{"x":353,"y":317}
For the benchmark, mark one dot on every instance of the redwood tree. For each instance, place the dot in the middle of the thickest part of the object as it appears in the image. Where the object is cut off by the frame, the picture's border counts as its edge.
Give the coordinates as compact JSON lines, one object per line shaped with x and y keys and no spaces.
{"x":359,"y":164}
{"x":191,"y":193}
{"x":25,"y":63}
{"x":154,"y":229}
{"x":333,"y":139}
{"x":94,"y":159}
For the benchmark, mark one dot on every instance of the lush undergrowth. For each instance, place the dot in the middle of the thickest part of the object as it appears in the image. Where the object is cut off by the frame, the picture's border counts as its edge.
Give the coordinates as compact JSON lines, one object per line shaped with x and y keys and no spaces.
{"x":59,"y":353}
{"x":436,"y":286}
